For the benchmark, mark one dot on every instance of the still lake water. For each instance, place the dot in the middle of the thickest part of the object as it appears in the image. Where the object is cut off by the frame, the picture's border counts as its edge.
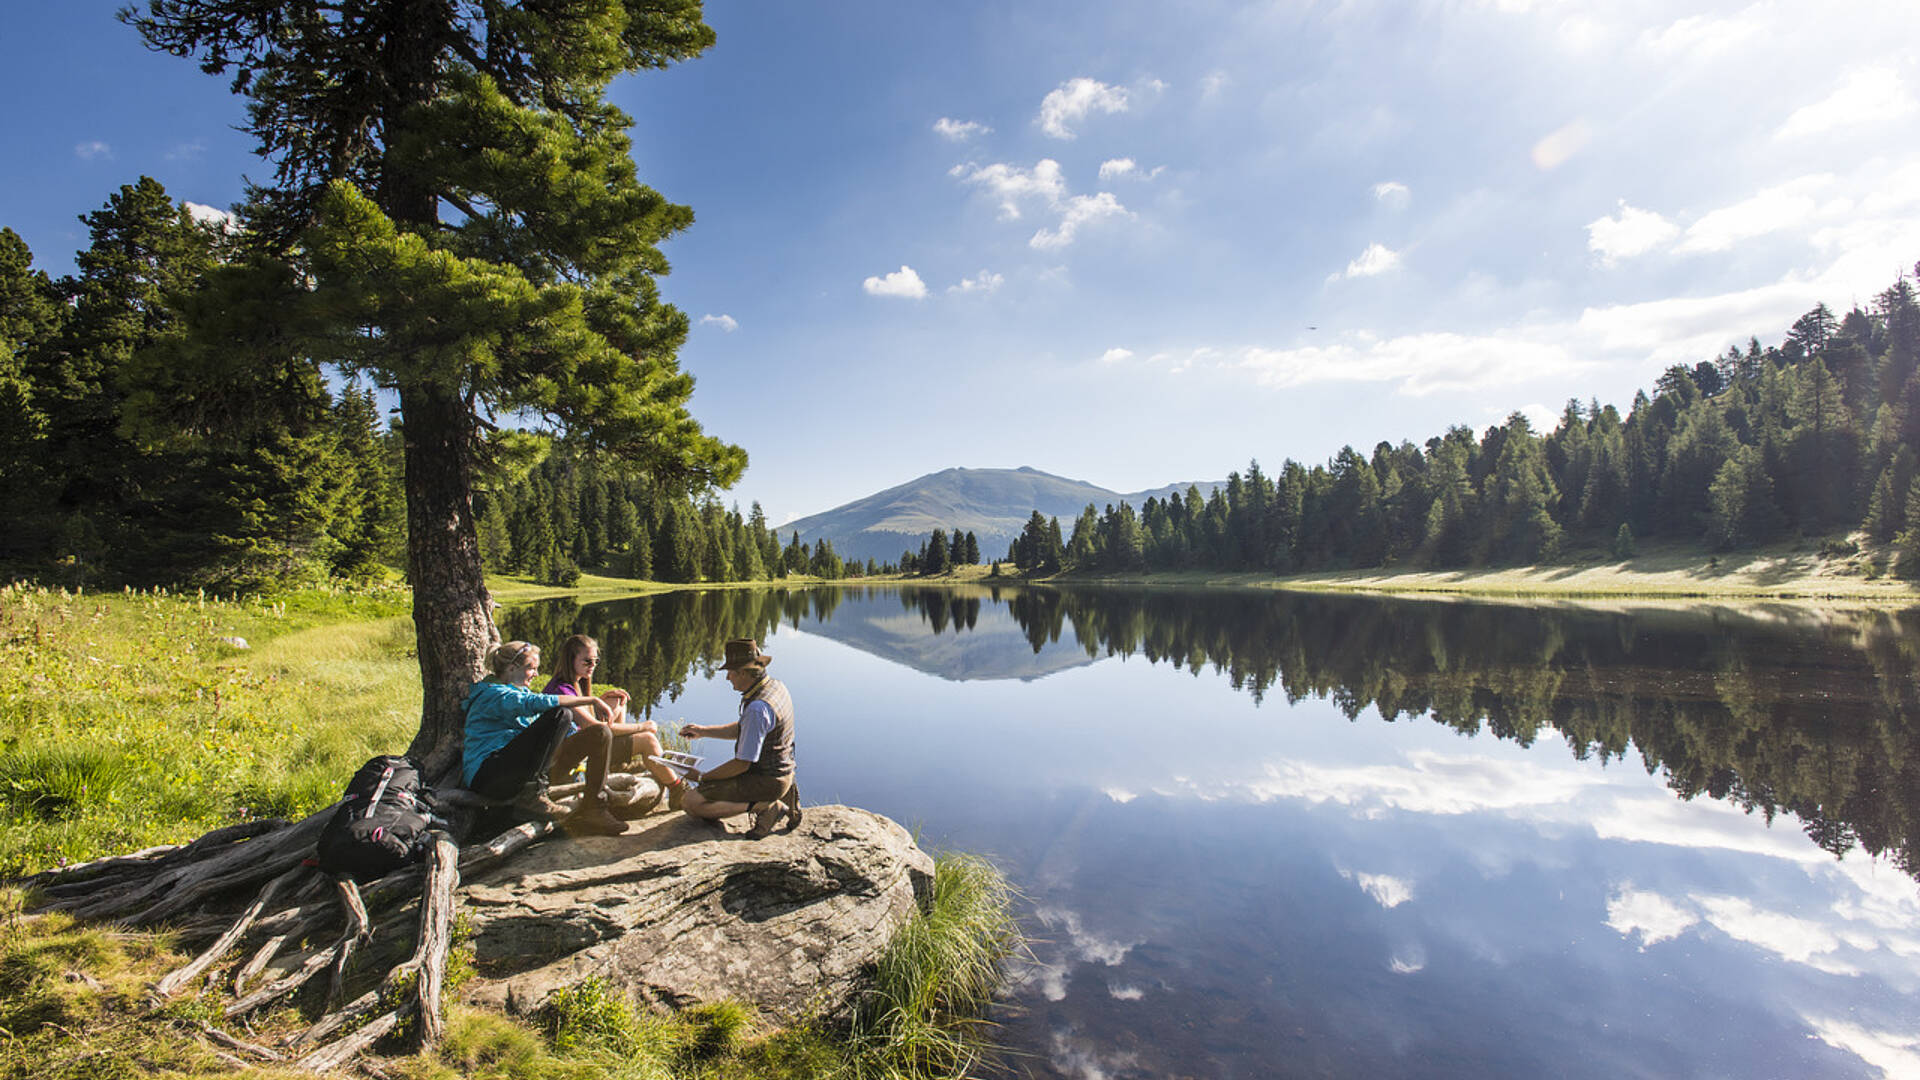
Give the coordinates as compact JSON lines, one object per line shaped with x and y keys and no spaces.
{"x":1266,"y":834}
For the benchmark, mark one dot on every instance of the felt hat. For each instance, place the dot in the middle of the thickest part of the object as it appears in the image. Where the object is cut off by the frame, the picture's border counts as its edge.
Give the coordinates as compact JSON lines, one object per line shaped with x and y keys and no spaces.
{"x":743,"y":652}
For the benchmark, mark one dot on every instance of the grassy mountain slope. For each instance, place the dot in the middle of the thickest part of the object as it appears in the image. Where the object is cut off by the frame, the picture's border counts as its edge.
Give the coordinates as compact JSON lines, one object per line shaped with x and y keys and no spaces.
{"x":993,"y":504}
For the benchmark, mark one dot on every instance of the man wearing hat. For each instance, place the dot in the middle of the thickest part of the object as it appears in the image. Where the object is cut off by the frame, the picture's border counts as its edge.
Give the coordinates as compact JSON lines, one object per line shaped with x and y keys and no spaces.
{"x":759,"y":778}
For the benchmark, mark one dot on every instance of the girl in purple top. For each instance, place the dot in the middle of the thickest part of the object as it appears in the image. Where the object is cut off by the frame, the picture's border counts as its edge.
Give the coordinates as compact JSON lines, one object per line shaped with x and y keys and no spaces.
{"x":632,"y":743}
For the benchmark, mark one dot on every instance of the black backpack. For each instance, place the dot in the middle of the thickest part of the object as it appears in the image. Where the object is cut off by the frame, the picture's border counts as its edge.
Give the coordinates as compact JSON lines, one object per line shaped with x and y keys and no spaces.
{"x":382,"y":826}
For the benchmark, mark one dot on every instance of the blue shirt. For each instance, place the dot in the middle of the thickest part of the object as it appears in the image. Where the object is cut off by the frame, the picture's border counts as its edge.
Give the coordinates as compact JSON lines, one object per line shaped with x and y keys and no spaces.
{"x":756,"y":722}
{"x":496,"y":712}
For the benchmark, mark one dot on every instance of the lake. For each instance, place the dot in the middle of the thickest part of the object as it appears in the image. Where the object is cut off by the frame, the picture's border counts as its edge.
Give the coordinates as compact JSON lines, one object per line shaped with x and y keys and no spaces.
{"x":1266,"y":834}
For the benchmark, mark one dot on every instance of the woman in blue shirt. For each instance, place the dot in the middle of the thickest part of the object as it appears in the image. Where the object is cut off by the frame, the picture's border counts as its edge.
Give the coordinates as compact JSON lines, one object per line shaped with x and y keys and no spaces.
{"x":512,"y":734}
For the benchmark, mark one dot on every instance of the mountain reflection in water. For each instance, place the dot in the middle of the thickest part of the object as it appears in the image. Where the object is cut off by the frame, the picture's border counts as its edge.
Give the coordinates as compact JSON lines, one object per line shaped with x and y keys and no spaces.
{"x":1232,"y":875}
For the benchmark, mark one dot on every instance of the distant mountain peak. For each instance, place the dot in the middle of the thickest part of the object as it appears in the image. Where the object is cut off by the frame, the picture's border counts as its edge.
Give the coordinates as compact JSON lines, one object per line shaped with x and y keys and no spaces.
{"x":993,"y":504}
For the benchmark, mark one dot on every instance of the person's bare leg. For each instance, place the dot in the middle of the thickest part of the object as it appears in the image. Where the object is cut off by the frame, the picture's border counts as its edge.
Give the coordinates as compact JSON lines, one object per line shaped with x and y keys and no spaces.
{"x":646,"y":747}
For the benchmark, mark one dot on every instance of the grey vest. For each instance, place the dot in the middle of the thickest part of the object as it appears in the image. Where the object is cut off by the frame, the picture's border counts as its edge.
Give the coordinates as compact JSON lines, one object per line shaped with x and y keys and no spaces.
{"x":776,"y":753}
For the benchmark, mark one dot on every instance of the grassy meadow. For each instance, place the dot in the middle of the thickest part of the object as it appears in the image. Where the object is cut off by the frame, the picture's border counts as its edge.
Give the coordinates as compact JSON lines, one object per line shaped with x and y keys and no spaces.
{"x":127,"y":720}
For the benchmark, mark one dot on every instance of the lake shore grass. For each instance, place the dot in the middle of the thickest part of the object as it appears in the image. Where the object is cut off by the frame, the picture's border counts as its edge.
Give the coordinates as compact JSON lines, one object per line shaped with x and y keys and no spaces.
{"x":1660,"y":574}
{"x":134,"y":719}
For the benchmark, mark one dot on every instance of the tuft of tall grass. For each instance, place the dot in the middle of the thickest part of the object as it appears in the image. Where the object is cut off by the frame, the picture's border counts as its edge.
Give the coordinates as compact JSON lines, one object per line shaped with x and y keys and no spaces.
{"x":55,"y":782}
{"x":925,"y":1013}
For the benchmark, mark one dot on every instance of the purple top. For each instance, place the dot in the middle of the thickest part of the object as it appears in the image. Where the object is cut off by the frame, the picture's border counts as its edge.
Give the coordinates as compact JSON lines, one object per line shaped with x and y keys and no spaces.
{"x":564,"y":689}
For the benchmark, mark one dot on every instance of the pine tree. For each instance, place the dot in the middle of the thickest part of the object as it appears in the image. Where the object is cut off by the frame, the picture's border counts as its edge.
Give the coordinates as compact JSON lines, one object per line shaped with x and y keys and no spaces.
{"x":144,"y":250}
{"x":938,"y":559}
{"x":1520,"y":498}
{"x":461,"y":197}
{"x":1083,"y":548}
{"x":1909,"y":539}
{"x":30,"y":314}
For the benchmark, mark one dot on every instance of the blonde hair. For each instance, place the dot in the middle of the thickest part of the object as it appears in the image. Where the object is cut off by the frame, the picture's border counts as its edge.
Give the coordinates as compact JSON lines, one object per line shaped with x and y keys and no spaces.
{"x":508,"y":655}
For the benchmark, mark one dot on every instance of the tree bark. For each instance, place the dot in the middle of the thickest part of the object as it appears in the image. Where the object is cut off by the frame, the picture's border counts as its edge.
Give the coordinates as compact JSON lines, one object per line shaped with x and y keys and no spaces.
{"x":452,"y":617}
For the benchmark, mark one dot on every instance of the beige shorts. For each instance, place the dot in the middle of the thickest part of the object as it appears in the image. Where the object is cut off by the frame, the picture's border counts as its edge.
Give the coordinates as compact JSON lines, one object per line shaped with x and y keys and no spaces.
{"x":745,"y":788}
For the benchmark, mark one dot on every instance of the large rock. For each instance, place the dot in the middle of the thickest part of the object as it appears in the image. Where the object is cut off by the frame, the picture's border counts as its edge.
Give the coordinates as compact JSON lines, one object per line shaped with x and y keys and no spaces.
{"x":679,"y":911}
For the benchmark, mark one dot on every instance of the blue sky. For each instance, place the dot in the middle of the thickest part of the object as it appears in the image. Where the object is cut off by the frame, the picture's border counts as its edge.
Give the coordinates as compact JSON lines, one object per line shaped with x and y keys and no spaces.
{"x":1143,"y":242}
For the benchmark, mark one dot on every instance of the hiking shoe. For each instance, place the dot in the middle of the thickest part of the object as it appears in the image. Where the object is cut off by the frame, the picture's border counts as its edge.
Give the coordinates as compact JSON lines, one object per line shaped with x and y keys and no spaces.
{"x":532,"y":802}
{"x":676,"y":795}
{"x":765,"y":818}
{"x":592,"y":819}
{"x":793,"y":810}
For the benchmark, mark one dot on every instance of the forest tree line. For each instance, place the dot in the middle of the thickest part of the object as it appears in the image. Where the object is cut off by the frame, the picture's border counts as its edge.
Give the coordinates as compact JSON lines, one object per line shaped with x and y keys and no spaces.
{"x":255,"y":470}
{"x":126,"y":464}
{"x":1813,"y":438}
{"x":129,"y":465}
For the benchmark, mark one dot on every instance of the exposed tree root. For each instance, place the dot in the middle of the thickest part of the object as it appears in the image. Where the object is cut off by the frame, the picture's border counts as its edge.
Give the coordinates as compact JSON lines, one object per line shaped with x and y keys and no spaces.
{"x":171,"y":985}
{"x":171,"y":884}
{"x":356,"y":932}
{"x":436,"y":937}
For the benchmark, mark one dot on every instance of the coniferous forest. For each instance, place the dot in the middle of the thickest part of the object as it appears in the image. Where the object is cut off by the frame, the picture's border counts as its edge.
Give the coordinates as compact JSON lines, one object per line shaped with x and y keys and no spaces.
{"x":131,"y":465}
{"x":1814,"y":438}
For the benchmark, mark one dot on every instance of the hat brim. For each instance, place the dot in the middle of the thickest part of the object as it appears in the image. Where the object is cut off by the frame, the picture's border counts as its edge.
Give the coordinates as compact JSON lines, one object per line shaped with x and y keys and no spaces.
{"x":759,"y":661}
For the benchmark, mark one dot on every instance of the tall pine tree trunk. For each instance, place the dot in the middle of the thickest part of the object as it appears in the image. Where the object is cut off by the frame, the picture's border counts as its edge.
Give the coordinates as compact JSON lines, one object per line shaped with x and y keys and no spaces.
{"x":452,"y":623}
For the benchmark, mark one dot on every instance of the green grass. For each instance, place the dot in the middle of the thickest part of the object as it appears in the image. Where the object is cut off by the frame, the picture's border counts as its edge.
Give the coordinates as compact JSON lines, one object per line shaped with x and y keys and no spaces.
{"x":125,"y":720}
{"x":924,"y":1015}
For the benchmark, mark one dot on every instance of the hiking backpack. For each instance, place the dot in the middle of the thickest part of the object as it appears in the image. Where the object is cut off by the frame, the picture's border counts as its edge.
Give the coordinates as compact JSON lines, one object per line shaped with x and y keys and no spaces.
{"x":382,"y":824}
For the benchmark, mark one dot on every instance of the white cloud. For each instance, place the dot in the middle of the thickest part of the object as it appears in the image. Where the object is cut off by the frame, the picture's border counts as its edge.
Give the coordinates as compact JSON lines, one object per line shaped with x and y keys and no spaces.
{"x":1393,"y":193}
{"x":902,"y":283}
{"x":1650,"y":915}
{"x":91,"y":149}
{"x":1116,"y":167}
{"x":985,"y":281}
{"x":1685,"y":328}
{"x":1429,"y":783}
{"x":1119,"y":794}
{"x":1559,"y":147}
{"x":1408,"y":962}
{"x":1699,"y":37}
{"x":1386,"y":890}
{"x":209,"y":215}
{"x":1632,"y":232}
{"x":1083,"y":1060}
{"x":1781,"y":207}
{"x":1377,"y":259}
{"x":1074,"y":100}
{"x":1088,"y":946}
{"x":1211,"y":84}
{"x":1581,"y":33}
{"x":1420,"y":363}
{"x":1115,"y":356}
{"x":1871,"y":96}
{"x":1012,"y":184}
{"x":1787,"y":936}
{"x":1079,"y":211}
{"x":727,"y":322}
{"x":1542,"y":418}
{"x":187,"y":151}
{"x":960,"y":130}
{"x":1125,"y":993}
{"x":1894,"y":1053}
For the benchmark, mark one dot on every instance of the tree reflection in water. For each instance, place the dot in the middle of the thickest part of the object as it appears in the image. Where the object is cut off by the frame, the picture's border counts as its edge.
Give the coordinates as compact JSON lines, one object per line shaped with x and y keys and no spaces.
{"x":1773,"y":708}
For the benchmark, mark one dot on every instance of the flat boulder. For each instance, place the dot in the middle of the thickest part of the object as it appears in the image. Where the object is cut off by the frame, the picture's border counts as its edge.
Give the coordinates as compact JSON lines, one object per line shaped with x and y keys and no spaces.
{"x":679,"y":911}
